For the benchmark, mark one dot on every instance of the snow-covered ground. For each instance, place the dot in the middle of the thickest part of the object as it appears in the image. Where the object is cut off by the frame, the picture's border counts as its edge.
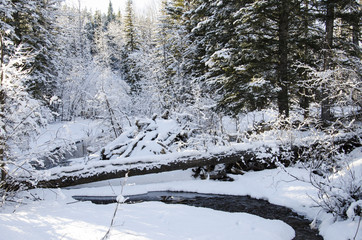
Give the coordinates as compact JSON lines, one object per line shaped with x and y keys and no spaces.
{"x":57,"y":216}
{"x":54,"y":214}
{"x":62,"y":133}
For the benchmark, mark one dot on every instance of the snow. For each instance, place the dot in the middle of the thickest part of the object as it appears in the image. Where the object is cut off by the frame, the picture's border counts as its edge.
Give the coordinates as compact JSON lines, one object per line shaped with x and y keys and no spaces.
{"x":221,"y":55}
{"x":150,"y":138}
{"x":59,"y":133}
{"x":151,"y":220}
{"x":340,"y":230}
{"x":57,"y":216}
{"x":54,"y":214}
{"x":351,"y":212}
{"x":54,"y":218}
{"x":121,"y":199}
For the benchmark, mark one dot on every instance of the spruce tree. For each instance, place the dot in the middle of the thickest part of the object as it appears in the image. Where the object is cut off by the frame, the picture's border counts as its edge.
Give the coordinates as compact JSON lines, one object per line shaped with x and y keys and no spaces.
{"x":20,"y":114}
{"x":332,"y":66}
{"x":195,"y":52}
{"x":251,"y":57}
{"x":34,"y":26}
{"x":130,"y":50}
{"x":130,"y":28}
{"x":162,"y":55}
{"x":283,"y":81}
{"x":178,"y":54}
{"x":306,"y":40}
{"x":349,"y":14}
{"x":328,"y":45}
{"x":110,"y":13}
{"x":256,"y":62}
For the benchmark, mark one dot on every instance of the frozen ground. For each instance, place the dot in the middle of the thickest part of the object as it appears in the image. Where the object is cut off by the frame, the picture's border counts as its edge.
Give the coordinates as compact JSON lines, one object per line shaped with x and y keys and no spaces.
{"x":53,"y":214}
{"x":57,"y":216}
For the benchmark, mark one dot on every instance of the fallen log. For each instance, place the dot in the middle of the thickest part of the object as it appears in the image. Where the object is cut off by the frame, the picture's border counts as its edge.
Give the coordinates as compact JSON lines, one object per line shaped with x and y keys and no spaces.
{"x":106,"y":170}
{"x":255,"y":158}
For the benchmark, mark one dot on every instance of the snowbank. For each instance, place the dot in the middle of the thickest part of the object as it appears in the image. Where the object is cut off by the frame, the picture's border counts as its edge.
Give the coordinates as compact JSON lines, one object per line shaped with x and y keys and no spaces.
{"x":53,"y":218}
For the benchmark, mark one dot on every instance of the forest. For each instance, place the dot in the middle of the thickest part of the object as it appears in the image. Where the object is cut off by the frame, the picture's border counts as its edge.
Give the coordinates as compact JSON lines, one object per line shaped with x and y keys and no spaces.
{"x":263,"y":84}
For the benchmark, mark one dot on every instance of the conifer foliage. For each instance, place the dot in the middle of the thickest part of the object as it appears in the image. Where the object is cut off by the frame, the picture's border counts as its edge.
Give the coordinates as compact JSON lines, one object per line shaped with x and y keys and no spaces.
{"x":20,"y":114}
{"x":258,"y":54}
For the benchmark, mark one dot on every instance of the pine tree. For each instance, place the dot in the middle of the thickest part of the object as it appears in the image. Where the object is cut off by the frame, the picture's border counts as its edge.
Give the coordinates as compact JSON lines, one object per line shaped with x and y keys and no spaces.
{"x":128,"y":63}
{"x":130,"y":28}
{"x":248,"y":59}
{"x":350,"y":15}
{"x":283,"y":81}
{"x":110,"y":14}
{"x":175,"y":28}
{"x":34,"y":26}
{"x":328,"y":45}
{"x":20,"y":115}
{"x":332,"y":63}
{"x":306,"y":37}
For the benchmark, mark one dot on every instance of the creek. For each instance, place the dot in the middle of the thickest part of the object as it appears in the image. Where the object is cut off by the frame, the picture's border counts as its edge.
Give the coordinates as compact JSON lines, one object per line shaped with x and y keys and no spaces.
{"x":227,"y":203}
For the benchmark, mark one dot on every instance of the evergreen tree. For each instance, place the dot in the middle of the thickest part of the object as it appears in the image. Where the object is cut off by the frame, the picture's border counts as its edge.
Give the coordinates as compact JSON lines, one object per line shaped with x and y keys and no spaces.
{"x":283,"y":81}
{"x":130,"y":50}
{"x":7,"y":32}
{"x":163,"y":56}
{"x":6,"y":14}
{"x":348,"y":27}
{"x":248,"y":59}
{"x":253,"y":64}
{"x":332,"y":66}
{"x":130,"y":28}
{"x":307,"y":37}
{"x":115,"y":44}
{"x":34,"y":26}
{"x":110,"y":13}
{"x":328,"y":45}
{"x":24,"y":26}
{"x":250,"y":53}
{"x":198,"y":37}
{"x":20,"y":115}
{"x":174,"y":30}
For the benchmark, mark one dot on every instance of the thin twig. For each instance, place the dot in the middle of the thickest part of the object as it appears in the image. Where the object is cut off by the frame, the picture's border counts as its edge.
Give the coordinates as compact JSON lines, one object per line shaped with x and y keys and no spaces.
{"x":359,"y":222}
{"x":112,"y":222}
{"x":115,"y":211}
{"x":111,"y":188}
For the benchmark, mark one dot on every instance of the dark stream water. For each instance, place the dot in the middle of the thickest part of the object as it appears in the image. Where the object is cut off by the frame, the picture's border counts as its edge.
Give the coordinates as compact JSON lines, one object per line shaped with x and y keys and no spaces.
{"x":227,"y":203}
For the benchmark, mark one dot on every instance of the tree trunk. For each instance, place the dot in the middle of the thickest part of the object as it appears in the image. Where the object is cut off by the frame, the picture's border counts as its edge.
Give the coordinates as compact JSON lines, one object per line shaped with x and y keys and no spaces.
{"x":116,"y":129}
{"x":283,"y":80}
{"x":356,"y":15}
{"x":356,"y":32}
{"x":2,"y":115}
{"x":251,"y":159}
{"x":305,"y":95}
{"x":110,"y":170}
{"x":326,"y":104}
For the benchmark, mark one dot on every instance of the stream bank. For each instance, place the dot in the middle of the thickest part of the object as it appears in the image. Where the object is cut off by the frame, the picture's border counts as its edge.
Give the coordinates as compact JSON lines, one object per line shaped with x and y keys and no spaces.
{"x":227,"y":203}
